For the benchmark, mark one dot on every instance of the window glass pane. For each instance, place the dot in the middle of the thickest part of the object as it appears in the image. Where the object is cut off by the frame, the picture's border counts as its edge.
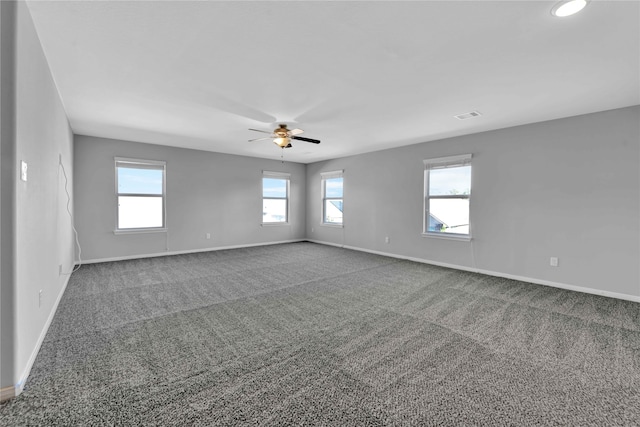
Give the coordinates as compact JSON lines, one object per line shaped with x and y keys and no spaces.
{"x":139,"y":212}
{"x":449,"y":216}
{"x":447,"y":181}
{"x":274,"y":210}
{"x":333,"y":187}
{"x":333,"y":211}
{"x":139,"y":181}
{"x":274,"y":187}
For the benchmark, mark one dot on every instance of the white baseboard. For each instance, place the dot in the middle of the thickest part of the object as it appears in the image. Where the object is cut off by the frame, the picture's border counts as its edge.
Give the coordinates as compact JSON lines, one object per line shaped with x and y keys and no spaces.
{"x":190,"y":251}
{"x":552,"y":284}
{"x":17,"y":389}
{"x":337,"y":245}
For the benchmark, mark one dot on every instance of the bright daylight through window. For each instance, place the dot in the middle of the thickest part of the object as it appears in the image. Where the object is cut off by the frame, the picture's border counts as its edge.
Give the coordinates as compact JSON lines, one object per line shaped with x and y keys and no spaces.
{"x":140,"y":188}
{"x":447,"y":183}
{"x":275,"y":197}
{"x":332,"y":193}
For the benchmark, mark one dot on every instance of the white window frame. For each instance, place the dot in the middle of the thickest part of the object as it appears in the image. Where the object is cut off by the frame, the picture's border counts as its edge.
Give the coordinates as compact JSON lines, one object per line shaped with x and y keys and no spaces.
{"x":143,"y":164}
{"x":323,"y":180}
{"x":276,"y":175}
{"x":441,"y":163}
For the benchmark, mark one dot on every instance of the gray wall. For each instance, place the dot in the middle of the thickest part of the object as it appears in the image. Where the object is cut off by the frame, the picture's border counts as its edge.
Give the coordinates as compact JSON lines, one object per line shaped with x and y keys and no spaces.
{"x":568,"y":188}
{"x":36,"y":228}
{"x":207,"y":192}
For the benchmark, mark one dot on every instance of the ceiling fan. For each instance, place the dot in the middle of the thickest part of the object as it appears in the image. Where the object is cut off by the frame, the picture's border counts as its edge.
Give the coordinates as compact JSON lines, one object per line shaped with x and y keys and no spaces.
{"x":282,"y":136}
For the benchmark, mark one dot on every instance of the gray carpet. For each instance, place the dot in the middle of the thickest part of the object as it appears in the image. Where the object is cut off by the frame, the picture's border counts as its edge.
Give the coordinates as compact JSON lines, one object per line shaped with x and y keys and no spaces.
{"x":305,"y":334}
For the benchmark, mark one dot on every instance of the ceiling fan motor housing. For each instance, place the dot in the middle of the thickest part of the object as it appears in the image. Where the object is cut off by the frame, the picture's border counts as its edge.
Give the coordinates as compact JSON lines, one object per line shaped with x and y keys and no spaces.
{"x":282,"y":131}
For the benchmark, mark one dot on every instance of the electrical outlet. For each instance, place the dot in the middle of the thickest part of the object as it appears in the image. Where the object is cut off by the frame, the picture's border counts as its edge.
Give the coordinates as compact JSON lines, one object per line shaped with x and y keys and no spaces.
{"x":208,"y":235}
{"x":553,"y":261}
{"x":23,"y":170}
{"x":59,"y":269}
{"x":312,"y":229}
{"x":386,"y":239}
{"x":40,"y":298}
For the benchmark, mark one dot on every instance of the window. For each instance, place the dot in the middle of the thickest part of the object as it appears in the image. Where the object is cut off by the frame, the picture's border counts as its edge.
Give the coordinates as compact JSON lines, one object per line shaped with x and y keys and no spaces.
{"x":332,"y":192}
{"x":447,"y":188}
{"x":275,"y":197}
{"x":140,"y":188}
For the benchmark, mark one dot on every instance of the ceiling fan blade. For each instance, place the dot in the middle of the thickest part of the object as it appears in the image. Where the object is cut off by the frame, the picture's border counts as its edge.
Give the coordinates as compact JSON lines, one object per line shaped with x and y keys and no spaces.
{"x":300,"y":138}
{"x":289,"y":146}
{"x":296,"y":131}
{"x":263,"y":131}
{"x":260,"y":139}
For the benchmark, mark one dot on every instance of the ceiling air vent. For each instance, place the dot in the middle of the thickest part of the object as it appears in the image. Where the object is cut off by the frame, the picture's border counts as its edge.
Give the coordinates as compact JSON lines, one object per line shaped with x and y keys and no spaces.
{"x":467,"y":115}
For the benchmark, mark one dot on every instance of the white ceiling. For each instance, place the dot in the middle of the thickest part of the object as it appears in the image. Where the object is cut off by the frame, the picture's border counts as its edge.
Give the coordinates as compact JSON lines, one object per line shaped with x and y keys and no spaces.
{"x":360,"y":76}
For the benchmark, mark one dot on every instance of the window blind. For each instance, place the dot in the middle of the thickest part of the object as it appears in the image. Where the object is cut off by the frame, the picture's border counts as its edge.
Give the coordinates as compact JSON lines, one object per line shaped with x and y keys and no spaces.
{"x":447,"y":162}
{"x":332,"y":174}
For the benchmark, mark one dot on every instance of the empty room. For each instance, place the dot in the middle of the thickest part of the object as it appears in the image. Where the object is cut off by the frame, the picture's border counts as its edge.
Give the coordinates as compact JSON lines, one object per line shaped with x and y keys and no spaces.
{"x":337,"y":213}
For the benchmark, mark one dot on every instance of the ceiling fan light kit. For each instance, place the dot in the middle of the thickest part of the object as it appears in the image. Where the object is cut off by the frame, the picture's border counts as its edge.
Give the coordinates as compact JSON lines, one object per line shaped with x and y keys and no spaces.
{"x":282,"y":142}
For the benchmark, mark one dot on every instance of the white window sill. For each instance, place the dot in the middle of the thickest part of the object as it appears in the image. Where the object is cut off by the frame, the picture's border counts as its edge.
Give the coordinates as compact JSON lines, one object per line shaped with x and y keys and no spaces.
{"x":328,"y":224}
{"x":445,"y":236}
{"x":270,"y":224}
{"x":140,"y":230}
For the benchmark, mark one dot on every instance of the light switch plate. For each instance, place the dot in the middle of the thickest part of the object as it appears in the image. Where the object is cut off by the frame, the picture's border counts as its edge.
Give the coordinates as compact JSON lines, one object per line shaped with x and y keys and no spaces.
{"x":23,"y":171}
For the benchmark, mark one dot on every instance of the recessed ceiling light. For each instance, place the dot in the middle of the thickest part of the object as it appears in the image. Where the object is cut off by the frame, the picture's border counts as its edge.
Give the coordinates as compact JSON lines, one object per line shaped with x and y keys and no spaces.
{"x":568,"y":7}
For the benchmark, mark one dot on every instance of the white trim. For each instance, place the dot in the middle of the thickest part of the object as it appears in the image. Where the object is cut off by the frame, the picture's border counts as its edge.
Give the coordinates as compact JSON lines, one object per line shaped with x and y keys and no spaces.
{"x":282,"y":176}
{"x":190,"y":251}
{"x":447,"y":236}
{"x":324,"y":176}
{"x":139,"y":230}
{"x":543,"y":282}
{"x":27,"y":370}
{"x":141,"y":164}
{"x":320,"y":242}
{"x":442,"y":163}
